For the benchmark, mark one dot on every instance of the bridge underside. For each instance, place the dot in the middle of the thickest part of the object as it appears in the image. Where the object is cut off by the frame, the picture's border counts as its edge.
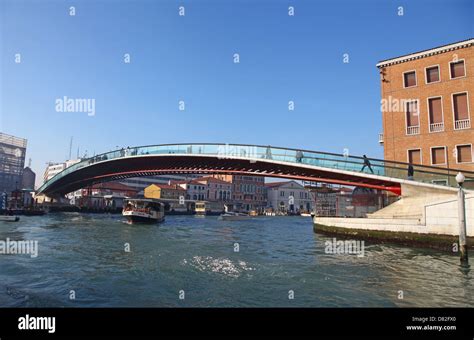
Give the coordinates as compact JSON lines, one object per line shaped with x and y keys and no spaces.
{"x":137,"y":166}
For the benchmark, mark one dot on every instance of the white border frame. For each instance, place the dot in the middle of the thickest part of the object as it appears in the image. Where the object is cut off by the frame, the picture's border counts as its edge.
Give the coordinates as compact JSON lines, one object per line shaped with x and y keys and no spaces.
{"x":421,"y":155}
{"x":454,"y":113}
{"x":406,"y":117}
{"x":439,"y":74}
{"x":445,"y":155}
{"x":472,"y":153}
{"x":457,"y":61}
{"x":416,"y":79}
{"x":428,"y":112}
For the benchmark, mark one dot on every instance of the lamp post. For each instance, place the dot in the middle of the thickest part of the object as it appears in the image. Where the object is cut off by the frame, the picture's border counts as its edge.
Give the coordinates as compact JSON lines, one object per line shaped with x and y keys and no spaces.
{"x":462,"y":219}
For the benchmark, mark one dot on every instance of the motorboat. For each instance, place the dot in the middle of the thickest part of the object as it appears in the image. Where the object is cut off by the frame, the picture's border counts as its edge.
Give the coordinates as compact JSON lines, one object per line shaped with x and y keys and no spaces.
{"x":304,"y":214}
{"x":9,"y":218}
{"x":234,"y":216}
{"x":143,"y":211}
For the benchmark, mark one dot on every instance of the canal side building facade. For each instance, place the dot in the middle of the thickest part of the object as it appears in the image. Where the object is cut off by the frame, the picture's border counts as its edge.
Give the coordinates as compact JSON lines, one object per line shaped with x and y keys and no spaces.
{"x":248,"y":192}
{"x":427,"y":106}
{"x":12,"y":162}
{"x":289,"y":197}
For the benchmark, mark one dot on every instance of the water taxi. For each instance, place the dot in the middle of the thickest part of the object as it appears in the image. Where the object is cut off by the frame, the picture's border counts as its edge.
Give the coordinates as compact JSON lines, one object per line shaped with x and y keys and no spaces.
{"x":143,"y":211}
{"x":233,"y":216}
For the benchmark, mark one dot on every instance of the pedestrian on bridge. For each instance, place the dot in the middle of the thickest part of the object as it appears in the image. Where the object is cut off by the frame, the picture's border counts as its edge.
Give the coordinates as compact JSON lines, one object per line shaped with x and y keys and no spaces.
{"x":367,"y":164}
{"x":268,"y":153}
{"x":299,"y":156}
{"x":411,"y":171}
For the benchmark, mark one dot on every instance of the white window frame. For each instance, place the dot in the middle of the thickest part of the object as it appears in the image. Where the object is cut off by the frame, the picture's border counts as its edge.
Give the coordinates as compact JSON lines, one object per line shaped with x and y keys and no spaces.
{"x":428,"y":111}
{"x":472,"y":153}
{"x":416,"y":79}
{"x":445,"y":155}
{"x":457,"y":61}
{"x":426,"y":74}
{"x":454,"y":113}
{"x":406,"y":117}
{"x":415,"y":149}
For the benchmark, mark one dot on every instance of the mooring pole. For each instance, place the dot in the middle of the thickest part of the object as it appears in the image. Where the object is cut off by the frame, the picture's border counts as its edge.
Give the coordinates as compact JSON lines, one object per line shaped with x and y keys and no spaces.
{"x":462,"y":220}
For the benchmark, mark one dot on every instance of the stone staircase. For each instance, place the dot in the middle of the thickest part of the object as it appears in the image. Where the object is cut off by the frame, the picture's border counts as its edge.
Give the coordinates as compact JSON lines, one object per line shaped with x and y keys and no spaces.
{"x":412,"y":203}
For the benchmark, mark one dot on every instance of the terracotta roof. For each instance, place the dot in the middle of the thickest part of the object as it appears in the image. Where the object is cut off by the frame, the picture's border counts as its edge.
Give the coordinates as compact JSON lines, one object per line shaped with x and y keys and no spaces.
{"x":168,"y":187}
{"x":276,"y":184}
{"x":113,"y":186}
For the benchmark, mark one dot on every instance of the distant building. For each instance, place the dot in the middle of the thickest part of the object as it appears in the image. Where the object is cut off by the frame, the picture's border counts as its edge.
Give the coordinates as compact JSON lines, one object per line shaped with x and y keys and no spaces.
{"x":344,"y":205}
{"x":248,"y":192}
{"x":325,"y":200}
{"x":52,"y":169}
{"x":140,"y":183}
{"x":427,"y":107}
{"x":195,"y":190}
{"x":366,"y":201}
{"x":164,"y":191}
{"x":28,"y":179}
{"x":12,"y":162}
{"x":289,"y":197}
{"x":347,"y":202}
{"x":102,"y":195}
{"x":216,"y":189}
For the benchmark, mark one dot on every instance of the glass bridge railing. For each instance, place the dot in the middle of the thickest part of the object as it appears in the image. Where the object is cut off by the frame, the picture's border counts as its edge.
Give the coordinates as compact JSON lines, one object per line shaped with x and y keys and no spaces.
{"x":422,"y":173}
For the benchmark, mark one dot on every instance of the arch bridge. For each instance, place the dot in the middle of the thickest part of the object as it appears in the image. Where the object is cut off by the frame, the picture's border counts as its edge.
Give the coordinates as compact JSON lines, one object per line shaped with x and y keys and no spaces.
{"x":242,"y":159}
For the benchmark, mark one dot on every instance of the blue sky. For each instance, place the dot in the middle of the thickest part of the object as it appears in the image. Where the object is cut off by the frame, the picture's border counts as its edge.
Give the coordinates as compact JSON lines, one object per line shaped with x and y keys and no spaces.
{"x":190,"y":58}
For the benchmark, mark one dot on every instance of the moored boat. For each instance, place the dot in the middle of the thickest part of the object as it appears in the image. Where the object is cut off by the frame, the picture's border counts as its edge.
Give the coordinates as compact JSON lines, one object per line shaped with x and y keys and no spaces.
{"x":8,"y":218}
{"x":201,"y":208}
{"x":143,"y":211}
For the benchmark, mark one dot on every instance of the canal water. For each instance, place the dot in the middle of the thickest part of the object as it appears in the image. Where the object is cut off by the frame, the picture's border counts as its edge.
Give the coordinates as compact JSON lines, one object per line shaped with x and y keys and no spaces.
{"x":191,"y":261}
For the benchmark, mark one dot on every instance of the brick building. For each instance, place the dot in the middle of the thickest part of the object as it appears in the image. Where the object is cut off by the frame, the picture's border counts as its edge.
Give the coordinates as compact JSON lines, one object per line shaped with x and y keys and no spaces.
{"x":217,"y":189}
{"x":248,"y":192}
{"x":427,"y":103}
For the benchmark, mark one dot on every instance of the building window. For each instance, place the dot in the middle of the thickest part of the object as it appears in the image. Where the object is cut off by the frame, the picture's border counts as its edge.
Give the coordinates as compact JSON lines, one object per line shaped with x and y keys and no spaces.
{"x":412,"y":118}
{"x":409,"y":79}
{"x":432,"y":74}
{"x":464,"y":153}
{"x":438,"y":155}
{"x":435,"y":110}
{"x":414,"y":156}
{"x":461,"y":111}
{"x":282,"y":194}
{"x":457,"y":69}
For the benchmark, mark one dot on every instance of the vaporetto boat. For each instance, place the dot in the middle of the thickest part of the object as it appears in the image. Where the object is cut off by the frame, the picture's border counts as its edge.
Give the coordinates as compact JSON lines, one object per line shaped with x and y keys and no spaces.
{"x":143,"y":211}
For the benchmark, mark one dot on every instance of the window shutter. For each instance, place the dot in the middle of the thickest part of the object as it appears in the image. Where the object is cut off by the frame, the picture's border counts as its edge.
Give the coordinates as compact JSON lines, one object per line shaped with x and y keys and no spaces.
{"x":460,"y":106}
{"x":457,"y":69}
{"x":464,"y":154}
{"x":438,"y":156}
{"x":432,"y":74}
{"x":410,"y":79}
{"x":434,"y":105}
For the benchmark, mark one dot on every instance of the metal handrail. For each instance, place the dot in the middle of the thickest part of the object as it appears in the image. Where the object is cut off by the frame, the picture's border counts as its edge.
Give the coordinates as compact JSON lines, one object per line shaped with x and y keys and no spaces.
{"x":290,"y":155}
